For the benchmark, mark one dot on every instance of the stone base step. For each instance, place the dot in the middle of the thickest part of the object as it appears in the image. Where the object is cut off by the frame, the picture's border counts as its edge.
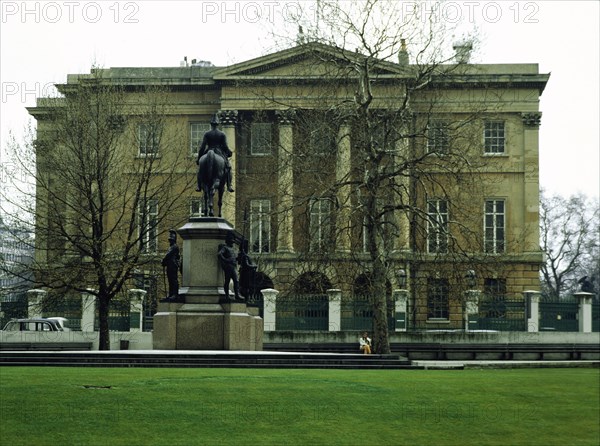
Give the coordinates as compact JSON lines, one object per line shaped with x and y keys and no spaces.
{"x":205,"y":359}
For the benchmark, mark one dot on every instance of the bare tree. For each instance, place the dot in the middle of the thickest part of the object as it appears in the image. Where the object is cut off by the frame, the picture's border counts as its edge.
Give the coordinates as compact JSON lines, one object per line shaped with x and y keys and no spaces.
{"x":570,"y":232}
{"x":404,"y":147}
{"x":106,"y":187}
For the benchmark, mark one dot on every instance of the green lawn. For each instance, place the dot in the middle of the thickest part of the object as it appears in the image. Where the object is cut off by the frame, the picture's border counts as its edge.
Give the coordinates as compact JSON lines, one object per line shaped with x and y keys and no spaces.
{"x":163,"y":406}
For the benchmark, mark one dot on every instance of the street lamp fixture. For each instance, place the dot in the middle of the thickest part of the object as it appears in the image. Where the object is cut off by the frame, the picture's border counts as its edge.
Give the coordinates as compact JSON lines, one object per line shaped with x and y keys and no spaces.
{"x":402,"y":279}
{"x":471,"y":278}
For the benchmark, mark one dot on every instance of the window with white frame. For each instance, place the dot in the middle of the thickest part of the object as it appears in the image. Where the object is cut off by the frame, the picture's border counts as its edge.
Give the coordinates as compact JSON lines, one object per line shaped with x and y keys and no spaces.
{"x":261,"y":138}
{"x":260,"y":226}
{"x":197,"y":131}
{"x":320,"y":223}
{"x":494,"y":137}
{"x":494,"y":226}
{"x":196,"y":207}
{"x":384,"y":229}
{"x":437,"y":226}
{"x":148,"y":138}
{"x":438,"y":137}
{"x":147,"y":226}
{"x":438,"y":302}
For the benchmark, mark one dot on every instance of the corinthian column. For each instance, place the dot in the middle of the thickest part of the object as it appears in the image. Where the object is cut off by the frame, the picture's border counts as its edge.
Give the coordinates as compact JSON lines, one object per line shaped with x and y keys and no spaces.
{"x":285,"y":182}
{"x":342,"y":174}
{"x":229,"y":119}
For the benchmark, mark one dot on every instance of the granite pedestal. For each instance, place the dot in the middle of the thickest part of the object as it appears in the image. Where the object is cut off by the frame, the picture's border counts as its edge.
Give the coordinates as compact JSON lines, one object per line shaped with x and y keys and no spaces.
{"x":204,"y":318}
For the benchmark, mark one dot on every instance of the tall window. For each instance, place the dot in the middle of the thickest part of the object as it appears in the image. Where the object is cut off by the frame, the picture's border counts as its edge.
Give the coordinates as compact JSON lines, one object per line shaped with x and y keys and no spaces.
{"x":494,"y":226}
{"x":438,"y":137}
{"x":261,"y":138}
{"x":494,"y":287}
{"x":196,"y":207}
{"x":148,"y":137}
{"x":320,"y":223}
{"x":494,"y":137}
{"x":260,"y":226}
{"x":147,"y":226}
{"x":197,"y":131}
{"x":438,"y":306}
{"x":384,"y":227}
{"x":437,"y":226}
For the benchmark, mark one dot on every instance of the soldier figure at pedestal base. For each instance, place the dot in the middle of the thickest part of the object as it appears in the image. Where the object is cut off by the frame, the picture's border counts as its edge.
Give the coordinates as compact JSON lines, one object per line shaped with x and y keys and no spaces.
{"x":228,"y":260}
{"x":171,"y":262}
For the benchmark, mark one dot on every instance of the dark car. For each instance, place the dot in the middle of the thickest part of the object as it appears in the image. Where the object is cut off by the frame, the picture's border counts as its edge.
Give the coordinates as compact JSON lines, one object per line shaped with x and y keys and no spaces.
{"x":40,"y":324}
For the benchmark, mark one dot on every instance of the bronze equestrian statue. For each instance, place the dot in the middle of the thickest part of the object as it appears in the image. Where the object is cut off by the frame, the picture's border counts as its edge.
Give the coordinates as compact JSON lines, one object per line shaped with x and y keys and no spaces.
{"x":214,"y":169}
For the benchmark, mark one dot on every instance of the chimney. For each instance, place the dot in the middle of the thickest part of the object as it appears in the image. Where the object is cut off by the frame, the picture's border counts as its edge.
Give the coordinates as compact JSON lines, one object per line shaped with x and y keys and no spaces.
{"x":462,"y":51}
{"x":403,"y":53}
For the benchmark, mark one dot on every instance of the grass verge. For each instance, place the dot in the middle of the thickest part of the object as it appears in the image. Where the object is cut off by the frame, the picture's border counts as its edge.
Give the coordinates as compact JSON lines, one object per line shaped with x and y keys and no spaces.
{"x":138,"y":406}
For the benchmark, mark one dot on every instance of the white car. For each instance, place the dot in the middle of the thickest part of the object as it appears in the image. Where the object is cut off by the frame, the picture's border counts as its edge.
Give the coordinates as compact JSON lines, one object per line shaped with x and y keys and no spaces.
{"x":32,"y":325}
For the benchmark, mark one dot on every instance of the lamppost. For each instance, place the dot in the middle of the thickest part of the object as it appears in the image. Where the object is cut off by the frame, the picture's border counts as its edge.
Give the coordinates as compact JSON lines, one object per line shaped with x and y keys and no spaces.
{"x":471,"y":301}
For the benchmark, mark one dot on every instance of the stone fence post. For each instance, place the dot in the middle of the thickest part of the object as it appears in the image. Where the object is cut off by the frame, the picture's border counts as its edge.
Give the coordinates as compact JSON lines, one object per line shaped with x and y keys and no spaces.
{"x":335,"y":309}
{"x":401,"y":307}
{"x":34,"y":303}
{"x":532,"y":298}
{"x":270,"y":305}
{"x":88,"y":311}
{"x":136,"y":309}
{"x":585,"y":311}
{"x":471,"y":313}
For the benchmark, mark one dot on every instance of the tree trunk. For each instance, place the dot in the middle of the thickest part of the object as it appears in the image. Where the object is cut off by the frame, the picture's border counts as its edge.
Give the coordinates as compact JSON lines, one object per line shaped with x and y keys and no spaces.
{"x":104,"y":334}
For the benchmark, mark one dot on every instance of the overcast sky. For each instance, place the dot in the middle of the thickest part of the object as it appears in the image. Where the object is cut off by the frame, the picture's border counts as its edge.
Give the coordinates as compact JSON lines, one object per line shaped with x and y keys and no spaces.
{"x":41,"y":42}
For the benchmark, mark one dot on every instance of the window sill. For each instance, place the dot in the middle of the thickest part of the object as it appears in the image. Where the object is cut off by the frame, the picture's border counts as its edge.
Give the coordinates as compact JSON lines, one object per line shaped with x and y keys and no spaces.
{"x":437,"y":321}
{"x":496,"y":155}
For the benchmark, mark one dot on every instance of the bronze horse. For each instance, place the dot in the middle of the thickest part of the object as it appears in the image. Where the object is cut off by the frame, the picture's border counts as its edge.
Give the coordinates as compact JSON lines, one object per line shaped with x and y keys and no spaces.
{"x":211,"y":177}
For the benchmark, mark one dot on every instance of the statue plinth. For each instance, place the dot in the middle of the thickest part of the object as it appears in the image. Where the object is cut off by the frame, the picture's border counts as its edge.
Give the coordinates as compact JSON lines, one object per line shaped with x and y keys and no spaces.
{"x":205,"y":319}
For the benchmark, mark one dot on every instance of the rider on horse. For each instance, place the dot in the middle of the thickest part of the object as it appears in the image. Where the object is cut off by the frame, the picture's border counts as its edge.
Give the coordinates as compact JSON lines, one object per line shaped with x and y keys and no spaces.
{"x":216,"y":141}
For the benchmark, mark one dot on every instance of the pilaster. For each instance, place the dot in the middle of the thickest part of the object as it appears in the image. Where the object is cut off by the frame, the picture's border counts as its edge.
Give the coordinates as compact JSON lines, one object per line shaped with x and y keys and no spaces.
{"x":531,"y":197}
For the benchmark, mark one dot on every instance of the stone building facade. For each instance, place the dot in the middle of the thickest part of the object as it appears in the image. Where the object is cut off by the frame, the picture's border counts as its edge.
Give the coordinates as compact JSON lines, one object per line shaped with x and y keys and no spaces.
{"x":290,"y":144}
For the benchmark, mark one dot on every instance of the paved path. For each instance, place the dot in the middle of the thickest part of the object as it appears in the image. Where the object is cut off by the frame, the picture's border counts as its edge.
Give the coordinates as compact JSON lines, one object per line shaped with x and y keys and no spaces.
{"x":503,"y":364}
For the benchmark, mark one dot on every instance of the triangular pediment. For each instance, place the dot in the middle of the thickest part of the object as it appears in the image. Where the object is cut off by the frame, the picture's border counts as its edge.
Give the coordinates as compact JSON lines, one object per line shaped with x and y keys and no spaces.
{"x":302,"y":61}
